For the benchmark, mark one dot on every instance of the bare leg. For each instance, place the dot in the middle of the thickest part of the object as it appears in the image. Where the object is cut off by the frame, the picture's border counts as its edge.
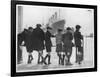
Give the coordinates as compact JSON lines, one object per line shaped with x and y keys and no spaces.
{"x":63,"y":59}
{"x":41,"y":55}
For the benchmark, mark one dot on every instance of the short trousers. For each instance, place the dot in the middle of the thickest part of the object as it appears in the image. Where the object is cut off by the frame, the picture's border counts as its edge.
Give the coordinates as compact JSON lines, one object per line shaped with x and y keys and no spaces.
{"x":59,"y":48}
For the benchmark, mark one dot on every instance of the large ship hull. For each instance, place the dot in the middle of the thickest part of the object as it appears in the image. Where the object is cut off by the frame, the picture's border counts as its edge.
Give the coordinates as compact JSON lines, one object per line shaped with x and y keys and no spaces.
{"x":57,"y":25}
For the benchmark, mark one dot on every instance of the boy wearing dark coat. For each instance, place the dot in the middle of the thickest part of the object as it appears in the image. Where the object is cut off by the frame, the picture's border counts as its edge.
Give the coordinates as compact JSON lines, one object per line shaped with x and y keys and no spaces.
{"x":67,"y":41}
{"x":38,"y":42}
{"x":59,"y":46}
{"x":29,"y":46}
{"x":27,"y":42}
{"x":78,"y":41}
{"x":48,"y":44}
{"x":19,"y":51}
{"x":21,"y":37}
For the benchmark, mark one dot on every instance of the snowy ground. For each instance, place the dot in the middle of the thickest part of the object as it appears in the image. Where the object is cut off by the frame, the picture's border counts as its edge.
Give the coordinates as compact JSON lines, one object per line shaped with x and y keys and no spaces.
{"x":87,"y":63}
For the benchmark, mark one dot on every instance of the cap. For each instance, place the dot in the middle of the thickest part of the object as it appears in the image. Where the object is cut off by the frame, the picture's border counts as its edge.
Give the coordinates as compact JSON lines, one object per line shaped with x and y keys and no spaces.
{"x":78,"y":26}
{"x":49,"y":28}
{"x":68,"y":28}
{"x":30,"y":28}
{"x":38,"y":25}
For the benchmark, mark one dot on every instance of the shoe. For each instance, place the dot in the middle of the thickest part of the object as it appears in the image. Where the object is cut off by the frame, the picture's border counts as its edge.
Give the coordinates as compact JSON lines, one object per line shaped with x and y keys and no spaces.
{"x":39,"y":62}
{"x":49,"y":63}
{"x":45,"y":63}
{"x":29,"y":62}
{"x":70,"y":63}
{"x":79,"y":63}
{"x":76,"y":61}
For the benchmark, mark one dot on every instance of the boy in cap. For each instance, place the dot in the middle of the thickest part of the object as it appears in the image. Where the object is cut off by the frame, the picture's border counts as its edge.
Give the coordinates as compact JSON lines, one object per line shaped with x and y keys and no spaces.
{"x":78,"y":42}
{"x":48,"y":44}
{"x":38,"y":42}
{"x":59,"y":46}
{"x":29,"y":44}
{"x":67,"y":41}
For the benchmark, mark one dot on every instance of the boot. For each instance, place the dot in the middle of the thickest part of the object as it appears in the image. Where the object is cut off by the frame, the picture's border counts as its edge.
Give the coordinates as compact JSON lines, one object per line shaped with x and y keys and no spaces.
{"x":42,"y":61}
{"x":45,"y":59}
{"x":63,"y":58}
{"x":29,"y":61}
{"x":79,"y":62}
{"x":68,"y":60}
{"x":69,"y":63}
{"x":39,"y":59}
{"x":49,"y":57}
{"x":59,"y":59}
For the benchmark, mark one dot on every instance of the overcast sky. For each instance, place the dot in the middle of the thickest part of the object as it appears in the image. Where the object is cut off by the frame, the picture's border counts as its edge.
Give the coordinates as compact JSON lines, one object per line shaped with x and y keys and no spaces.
{"x":73,"y":16}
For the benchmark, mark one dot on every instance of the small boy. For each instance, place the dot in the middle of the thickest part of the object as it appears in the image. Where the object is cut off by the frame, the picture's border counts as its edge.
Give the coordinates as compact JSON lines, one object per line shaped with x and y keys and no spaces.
{"x":48,"y":45}
{"x":67,"y":41}
{"x":59,"y":47}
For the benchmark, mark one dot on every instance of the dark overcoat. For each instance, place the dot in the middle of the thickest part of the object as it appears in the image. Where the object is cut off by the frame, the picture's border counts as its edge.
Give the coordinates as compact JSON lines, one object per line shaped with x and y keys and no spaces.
{"x":48,"y":39}
{"x":26,"y":37}
{"x":38,"y":38}
{"x":67,"y":40}
{"x":19,"y":51}
{"x":20,"y":38}
{"x":48,"y":42}
{"x":28,"y":41}
{"x":78,"y":37}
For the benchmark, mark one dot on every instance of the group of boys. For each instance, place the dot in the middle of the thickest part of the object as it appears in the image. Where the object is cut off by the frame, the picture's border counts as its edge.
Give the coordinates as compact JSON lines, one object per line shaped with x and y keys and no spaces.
{"x":39,"y":40}
{"x":64,"y":45}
